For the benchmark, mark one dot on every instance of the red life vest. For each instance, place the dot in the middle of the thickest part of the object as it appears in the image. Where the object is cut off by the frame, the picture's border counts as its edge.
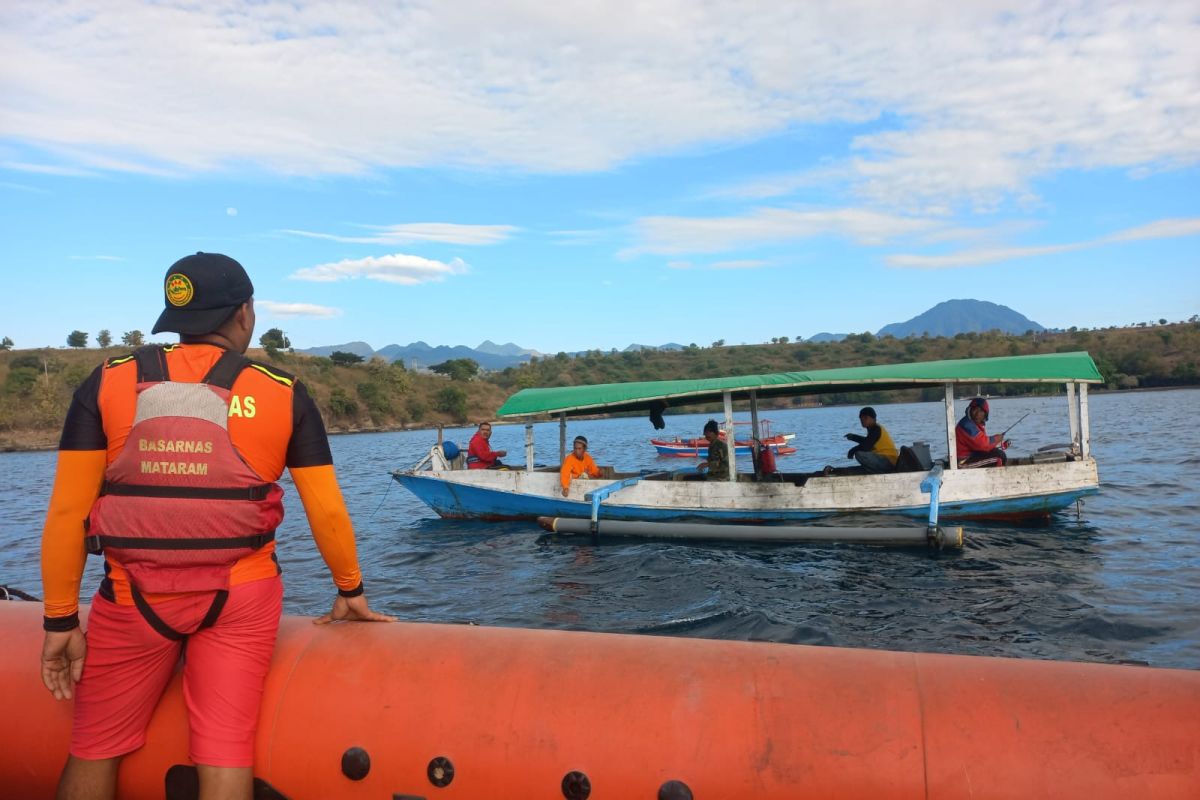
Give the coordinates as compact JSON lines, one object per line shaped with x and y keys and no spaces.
{"x":766,"y":459}
{"x":179,"y":505}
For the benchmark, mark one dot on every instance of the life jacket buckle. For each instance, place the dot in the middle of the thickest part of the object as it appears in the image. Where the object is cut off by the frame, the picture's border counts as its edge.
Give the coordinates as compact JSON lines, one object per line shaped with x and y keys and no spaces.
{"x":93,"y":546}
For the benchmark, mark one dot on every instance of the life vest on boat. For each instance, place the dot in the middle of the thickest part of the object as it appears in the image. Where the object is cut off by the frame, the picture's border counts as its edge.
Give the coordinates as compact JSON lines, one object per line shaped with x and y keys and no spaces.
{"x":179,"y":506}
{"x":766,"y":459}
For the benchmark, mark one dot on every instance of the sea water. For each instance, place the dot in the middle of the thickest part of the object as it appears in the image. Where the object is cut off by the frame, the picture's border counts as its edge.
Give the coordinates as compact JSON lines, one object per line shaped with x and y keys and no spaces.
{"x":1117,"y":582}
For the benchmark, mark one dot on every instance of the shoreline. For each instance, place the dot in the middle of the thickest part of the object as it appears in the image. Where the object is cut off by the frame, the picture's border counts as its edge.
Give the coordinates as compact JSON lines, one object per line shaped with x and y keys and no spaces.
{"x":43,"y":440}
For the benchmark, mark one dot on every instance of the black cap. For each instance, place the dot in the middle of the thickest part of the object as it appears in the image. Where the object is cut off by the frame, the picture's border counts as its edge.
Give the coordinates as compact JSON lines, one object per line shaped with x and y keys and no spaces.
{"x":868,"y":412}
{"x":711,"y":425}
{"x":201,"y":292}
{"x":580,"y":439}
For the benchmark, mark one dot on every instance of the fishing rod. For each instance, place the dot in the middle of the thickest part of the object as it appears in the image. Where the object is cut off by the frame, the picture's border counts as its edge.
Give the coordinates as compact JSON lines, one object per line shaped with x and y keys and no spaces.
{"x":1015,"y":424}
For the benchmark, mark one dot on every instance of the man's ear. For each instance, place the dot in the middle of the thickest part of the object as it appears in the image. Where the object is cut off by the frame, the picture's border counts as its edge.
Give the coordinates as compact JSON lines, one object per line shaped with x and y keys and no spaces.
{"x":243,"y":316}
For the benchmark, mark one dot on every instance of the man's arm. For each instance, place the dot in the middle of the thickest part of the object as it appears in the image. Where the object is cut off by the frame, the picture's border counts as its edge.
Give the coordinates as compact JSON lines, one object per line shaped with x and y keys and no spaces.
{"x":77,"y":481}
{"x":311,"y":465}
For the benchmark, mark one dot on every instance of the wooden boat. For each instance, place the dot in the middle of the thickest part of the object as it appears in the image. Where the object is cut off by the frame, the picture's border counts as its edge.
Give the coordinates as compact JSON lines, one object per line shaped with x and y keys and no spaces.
{"x":1030,"y":486}
{"x":368,"y":710}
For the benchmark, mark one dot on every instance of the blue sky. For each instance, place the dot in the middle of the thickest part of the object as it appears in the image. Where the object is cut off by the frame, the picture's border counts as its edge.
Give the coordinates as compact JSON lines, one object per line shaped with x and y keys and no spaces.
{"x":572,"y":176}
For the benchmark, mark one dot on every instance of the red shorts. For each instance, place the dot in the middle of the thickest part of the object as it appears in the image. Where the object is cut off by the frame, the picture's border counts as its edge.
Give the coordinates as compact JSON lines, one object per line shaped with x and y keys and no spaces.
{"x":128,"y":666}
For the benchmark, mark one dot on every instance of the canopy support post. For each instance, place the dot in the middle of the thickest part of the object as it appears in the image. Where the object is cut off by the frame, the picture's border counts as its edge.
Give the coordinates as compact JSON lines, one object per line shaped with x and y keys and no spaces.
{"x":755,"y":433}
{"x":562,"y":437}
{"x":529,"y":447}
{"x":951,"y":446}
{"x":1085,"y":436}
{"x":1073,"y":415}
{"x":730,"y":436}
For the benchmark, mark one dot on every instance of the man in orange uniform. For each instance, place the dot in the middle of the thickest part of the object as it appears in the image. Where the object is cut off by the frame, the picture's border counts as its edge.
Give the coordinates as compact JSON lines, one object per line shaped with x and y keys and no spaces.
{"x":168,"y":465}
{"x":578,"y":462}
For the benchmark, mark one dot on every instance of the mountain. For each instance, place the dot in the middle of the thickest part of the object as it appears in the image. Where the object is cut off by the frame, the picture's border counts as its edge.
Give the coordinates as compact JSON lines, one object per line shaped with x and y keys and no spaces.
{"x":358,"y":348}
{"x":668,"y":346}
{"x":962,"y":316}
{"x":826,"y":337}
{"x":509,"y":349}
{"x":424,"y":355}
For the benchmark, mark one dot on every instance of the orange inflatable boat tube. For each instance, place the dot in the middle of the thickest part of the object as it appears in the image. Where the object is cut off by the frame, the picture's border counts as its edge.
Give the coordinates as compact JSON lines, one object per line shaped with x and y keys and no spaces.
{"x":438,"y":711}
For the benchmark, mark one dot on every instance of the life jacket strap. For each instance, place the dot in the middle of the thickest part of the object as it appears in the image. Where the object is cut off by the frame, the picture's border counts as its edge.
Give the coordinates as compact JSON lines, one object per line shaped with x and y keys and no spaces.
{"x":151,"y":364}
{"x":166,"y":631}
{"x":152,"y":367}
{"x":96,"y":544}
{"x":258,"y":492}
{"x":225,"y":371}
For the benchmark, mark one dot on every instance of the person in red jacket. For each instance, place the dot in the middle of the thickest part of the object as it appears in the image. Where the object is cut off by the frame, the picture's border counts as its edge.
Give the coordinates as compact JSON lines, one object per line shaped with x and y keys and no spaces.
{"x":480,"y":454}
{"x":168,"y":465}
{"x":975,"y":447}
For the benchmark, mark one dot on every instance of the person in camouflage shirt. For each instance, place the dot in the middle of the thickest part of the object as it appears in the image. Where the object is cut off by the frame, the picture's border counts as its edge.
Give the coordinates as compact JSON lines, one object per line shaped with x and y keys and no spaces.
{"x":718,"y":453}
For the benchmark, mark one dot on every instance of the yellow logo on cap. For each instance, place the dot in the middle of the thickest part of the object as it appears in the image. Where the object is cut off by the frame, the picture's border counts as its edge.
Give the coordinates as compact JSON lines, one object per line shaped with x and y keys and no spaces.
{"x":179,"y":289}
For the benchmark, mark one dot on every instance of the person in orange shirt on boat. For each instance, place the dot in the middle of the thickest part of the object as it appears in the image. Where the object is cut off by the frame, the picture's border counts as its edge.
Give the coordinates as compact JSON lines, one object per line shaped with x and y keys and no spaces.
{"x":480,"y":454}
{"x":975,"y":448}
{"x":578,"y":462}
{"x":168,"y":465}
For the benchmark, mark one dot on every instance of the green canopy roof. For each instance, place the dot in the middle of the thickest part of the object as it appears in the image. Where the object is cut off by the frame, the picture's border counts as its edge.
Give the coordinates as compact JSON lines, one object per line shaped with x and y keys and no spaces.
{"x":573,"y":400}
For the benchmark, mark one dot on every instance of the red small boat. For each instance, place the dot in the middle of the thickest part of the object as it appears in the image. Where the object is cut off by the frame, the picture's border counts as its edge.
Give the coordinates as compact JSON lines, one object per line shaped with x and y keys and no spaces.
{"x":698,"y":447}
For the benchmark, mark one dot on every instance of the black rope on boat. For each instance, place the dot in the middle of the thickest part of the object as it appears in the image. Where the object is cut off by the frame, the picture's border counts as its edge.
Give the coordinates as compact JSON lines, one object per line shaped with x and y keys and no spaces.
{"x":11,"y":593}
{"x":385,"y":495}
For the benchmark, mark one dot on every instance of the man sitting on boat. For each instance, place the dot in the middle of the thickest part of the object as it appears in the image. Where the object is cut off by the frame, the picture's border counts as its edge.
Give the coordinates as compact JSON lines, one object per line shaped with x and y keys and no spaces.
{"x":876,"y":451}
{"x":480,"y":454}
{"x":717,"y":464}
{"x":578,"y":462}
{"x":975,"y":447}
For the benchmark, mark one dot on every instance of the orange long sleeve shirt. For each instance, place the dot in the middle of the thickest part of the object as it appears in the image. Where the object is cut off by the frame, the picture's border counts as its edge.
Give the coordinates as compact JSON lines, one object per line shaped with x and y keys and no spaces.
{"x":573,"y":467}
{"x":273,"y":424}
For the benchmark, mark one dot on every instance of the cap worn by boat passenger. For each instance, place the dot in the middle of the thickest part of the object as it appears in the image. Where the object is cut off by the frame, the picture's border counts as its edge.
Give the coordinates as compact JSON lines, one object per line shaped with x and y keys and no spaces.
{"x":711,"y":425}
{"x":579,"y":439}
{"x":979,"y":403}
{"x":868,"y":411}
{"x":200,"y":292}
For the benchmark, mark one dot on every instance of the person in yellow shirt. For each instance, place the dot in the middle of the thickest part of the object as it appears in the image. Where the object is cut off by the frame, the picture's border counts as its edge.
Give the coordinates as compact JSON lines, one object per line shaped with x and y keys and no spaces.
{"x":876,"y":451}
{"x":577,"y":463}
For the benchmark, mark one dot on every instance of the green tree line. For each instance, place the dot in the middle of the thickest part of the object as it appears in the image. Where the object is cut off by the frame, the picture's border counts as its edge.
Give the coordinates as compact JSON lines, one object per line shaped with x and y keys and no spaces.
{"x":353,"y":394}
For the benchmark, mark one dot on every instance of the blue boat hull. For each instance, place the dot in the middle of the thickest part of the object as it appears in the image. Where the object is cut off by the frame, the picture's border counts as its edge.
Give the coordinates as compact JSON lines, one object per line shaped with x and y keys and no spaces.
{"x":461,"y":501}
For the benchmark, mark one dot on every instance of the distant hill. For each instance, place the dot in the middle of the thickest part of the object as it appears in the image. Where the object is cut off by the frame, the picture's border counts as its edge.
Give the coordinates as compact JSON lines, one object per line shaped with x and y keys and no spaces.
{"x":826,"y":337}
{"x":509,"y":349}
{"x":962,"y":316}
{"x":358,"y":348}
{"x":425,"y":355}
{"x":633,"y":348}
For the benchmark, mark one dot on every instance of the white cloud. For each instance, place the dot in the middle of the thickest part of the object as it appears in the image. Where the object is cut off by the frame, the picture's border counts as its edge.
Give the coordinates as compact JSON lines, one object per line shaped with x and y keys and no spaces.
{"x":679,"y":265}
{"x":397,"y":268}
{"x":1160,"y":229}
{"x":46,"y":169}
{"x":972,"y":102}
{"x":21,"y":187}
{"x":276,"y":309}
{"x":231,"y":211}
{"x":675,"y":235}
{"x":420,"y":232}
